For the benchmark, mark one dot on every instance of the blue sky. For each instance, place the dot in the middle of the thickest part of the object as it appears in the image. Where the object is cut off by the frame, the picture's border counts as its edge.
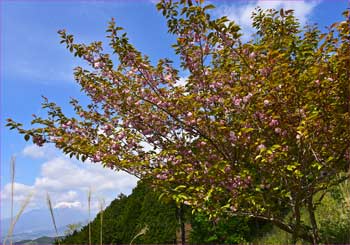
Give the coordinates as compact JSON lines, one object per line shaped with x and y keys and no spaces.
{"x":33,"y":63}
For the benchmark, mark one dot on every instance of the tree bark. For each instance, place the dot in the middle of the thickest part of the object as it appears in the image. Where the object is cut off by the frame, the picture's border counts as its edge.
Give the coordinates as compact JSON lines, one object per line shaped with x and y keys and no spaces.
{"x":180,"y":214}
{"x":296,"y":230}
{"x":303,"y":233}
{"x":311,"y":210}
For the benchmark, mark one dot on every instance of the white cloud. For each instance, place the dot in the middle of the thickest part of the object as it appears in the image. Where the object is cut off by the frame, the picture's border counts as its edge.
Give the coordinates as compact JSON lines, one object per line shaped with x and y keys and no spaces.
{"x":68,"y":205}
{"x":241,"y":13}
{"x":21,"y":191}
{"x":63,"y":173}
{"x":68,"y":181}
{"x":36,"y":152}
{"x":33,"y":151}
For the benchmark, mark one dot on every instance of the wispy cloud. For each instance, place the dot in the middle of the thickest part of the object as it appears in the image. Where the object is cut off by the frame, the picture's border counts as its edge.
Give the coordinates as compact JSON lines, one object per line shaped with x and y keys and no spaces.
{"x":38,"y":68}
{"x":241,"y":11}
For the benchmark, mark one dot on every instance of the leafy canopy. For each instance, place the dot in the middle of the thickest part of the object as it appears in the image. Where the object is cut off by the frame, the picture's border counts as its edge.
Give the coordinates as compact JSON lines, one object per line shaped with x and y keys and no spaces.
{"x":258,"y":127}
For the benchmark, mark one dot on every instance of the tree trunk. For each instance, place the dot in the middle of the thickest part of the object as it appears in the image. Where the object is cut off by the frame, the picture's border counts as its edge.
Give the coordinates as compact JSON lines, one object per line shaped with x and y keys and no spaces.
{"x":303,"y":232}
{"x":180,"y":215}
{"x":296,"y":230}
{"x":311,"y":210}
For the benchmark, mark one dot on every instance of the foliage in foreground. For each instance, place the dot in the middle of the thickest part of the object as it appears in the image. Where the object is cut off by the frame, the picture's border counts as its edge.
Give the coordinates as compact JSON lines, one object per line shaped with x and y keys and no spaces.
{"x":258,"y":128}
{"x":333,"y":220}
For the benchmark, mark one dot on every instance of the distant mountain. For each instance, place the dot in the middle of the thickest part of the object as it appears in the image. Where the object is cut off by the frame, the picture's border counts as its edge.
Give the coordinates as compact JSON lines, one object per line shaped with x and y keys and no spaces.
{"x":35,"y":234}
{"x":37,"y":223}
{"x":41,"y":240}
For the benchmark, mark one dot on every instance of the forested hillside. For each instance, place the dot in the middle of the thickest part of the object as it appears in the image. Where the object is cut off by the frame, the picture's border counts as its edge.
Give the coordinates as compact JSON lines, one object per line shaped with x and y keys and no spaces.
{"x":127,"y":216}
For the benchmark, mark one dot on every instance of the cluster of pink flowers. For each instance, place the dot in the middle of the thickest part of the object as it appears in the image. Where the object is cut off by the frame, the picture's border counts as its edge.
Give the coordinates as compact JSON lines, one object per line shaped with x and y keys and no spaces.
{"x":39,"y":140}
{"x":233,"y":137}
{"x":237,"y":182}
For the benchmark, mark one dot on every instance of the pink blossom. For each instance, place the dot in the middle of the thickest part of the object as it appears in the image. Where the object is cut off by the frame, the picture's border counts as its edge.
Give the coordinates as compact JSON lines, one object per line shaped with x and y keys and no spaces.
{"x":260,"y":115}
{"x":88,"y":57}
{"x":107,"y":127}
{"x":168,"y":77}
{"x":266,"y":102}
{"x":227,"y":169}
{"x":187,"y":202}
{"x":261,"y":147}
{"x":278,"y":130}
{"x":193,"y":121}
{"x":97,"y":157}
{"x":273,"y":123}
{"x":252,"y":55}
{"x":247,"y":97}
{"x":162,"y":176}
{"x":98,"y":64}
{"x":38,"y":140}
{"x":115,"y":147}
{"x":347,"y":155}
{"x":265,"y":72}
{"x":233,"y":208}
{"x":121,"y":136}
{"x":237,"y":101}
{"x":233,"y":137}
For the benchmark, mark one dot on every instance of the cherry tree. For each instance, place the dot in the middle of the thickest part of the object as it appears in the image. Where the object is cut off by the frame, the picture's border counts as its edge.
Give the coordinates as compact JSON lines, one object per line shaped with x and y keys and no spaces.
{"x":258,"y":127}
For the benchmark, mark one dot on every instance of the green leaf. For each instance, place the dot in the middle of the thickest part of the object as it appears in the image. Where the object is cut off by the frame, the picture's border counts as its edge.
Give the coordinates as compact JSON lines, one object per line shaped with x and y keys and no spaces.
{"x":180,"y":187}
{"x":210,"y":6}
{"x":26,"y":137}
{"x":247,"y":130}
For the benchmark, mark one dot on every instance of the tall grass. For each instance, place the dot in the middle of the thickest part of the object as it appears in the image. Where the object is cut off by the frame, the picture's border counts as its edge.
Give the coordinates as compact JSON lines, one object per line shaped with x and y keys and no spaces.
{"x":345,"y":190}
{"x":102,"y":205}
{"x":142,"y":232}
{"x":23,"y":206}
{"x":49,"y":203}
{"x":89,"y":210}
{"x":13,"y":170}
